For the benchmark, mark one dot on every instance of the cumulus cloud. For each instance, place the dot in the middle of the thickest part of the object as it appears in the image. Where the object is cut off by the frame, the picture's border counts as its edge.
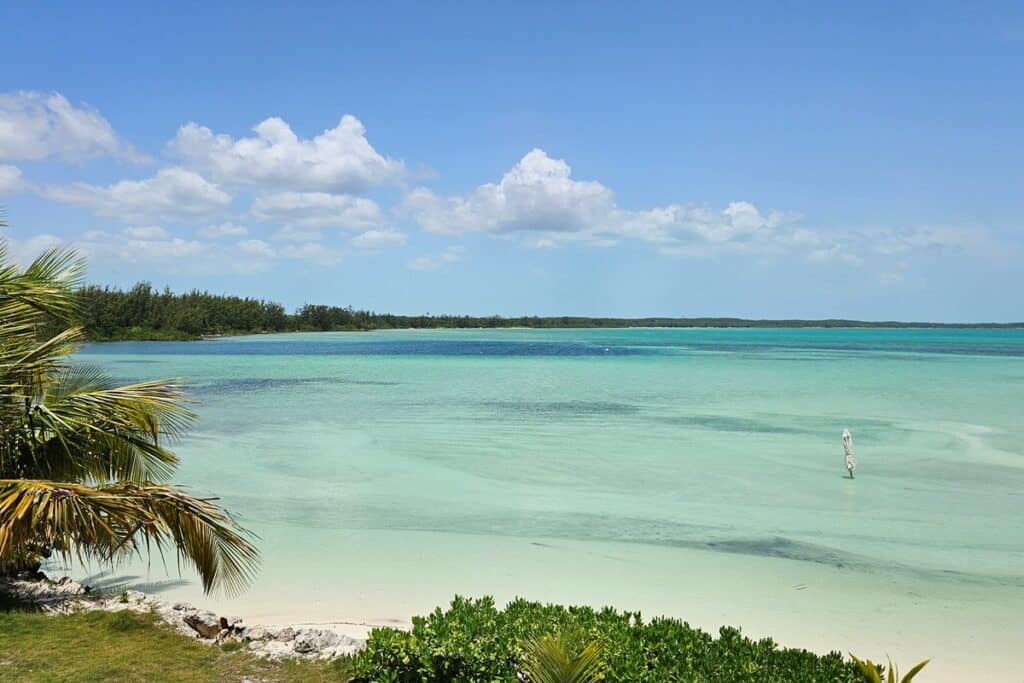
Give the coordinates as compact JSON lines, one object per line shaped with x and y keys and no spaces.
{"x":148,"y":233}
{"x":164,"y":250}
{"x":536,"y":194}
{"x":836,"y":253}
{"x":10,"y":179}
{"x":294,"y":233}
{"x":894,"y":242}
{"x":314,"y":252}
{"x":435,"y":261}
{"x":375,"y":239}
{"x":173,"y":192}
{"x":223,"y":230}
{"x":737,"y":222}
{"x":160,"y":251}
{"x":25,"y":251}
{"x":340,"y":159}
{"x":256,"y":248}
{"x":35,"y":126}
{"x":318,"y":210}
{"x":539,"y":196}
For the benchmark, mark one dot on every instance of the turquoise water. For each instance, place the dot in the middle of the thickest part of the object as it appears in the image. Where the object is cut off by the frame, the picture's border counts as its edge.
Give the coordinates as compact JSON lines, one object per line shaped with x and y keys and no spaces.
{"x":635,"y":467}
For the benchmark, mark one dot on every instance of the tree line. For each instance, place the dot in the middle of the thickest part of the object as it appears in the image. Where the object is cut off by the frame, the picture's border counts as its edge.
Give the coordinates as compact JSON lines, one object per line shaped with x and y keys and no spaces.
{"x":143,"y":312}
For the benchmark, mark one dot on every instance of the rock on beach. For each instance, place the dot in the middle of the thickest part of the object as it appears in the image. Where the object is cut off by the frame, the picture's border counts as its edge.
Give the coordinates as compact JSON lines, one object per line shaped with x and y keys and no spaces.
{"x":275,"y":642}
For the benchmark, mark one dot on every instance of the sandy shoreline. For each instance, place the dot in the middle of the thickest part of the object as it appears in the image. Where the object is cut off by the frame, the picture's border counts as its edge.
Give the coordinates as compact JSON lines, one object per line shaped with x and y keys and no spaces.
{"x":965,"y":629}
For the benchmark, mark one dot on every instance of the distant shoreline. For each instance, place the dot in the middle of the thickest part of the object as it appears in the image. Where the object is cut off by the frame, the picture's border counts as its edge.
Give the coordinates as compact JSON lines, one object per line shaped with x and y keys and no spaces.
{"x":142,"y":334}
{"x":145,"y":314}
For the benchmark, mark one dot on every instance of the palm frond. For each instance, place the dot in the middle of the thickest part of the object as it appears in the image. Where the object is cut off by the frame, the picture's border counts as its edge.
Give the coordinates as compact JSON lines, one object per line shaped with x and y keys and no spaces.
{"x":914,"y":671}
{"x":45,"y":287}
{"x":558,"y":659}
{"x":62,"y":422}
{"x":105,"y":523}
{"x":116,"y":432}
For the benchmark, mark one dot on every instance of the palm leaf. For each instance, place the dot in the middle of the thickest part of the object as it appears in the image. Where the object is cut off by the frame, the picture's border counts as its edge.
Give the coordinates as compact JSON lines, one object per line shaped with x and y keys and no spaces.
{"x":914,"y":671}
{"x":105,"y":523}
{"x":552,"y":659}
{"x":868,"y":669}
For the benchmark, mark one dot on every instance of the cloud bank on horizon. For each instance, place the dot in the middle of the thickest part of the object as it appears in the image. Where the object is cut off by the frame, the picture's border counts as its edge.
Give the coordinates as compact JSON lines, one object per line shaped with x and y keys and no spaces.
{"x":209,"y":201}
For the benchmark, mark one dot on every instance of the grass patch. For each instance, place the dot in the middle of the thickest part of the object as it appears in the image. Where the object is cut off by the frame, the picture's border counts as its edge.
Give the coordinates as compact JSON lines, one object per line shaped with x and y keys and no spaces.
{"x":126,"y":646}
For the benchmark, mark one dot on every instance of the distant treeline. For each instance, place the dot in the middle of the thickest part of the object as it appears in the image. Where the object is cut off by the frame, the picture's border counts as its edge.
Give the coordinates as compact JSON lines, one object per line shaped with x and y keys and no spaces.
{"x":146,"y":313}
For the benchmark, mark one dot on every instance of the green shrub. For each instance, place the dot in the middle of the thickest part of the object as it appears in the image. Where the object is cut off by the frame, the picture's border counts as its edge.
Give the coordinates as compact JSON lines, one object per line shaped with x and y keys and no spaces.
{"x":474,"y":642}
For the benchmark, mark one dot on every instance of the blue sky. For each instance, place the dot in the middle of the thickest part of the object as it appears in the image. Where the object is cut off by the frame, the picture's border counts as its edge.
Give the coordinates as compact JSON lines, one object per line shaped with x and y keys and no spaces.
{"x":787,"y":160}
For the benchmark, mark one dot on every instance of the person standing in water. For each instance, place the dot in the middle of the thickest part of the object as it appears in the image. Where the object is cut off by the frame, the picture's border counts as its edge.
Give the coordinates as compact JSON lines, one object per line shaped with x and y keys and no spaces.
{"x":848,"y":462}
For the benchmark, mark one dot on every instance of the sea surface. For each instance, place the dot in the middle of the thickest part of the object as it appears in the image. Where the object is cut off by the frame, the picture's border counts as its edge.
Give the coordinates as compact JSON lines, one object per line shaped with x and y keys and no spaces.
{"x":691,"y":472}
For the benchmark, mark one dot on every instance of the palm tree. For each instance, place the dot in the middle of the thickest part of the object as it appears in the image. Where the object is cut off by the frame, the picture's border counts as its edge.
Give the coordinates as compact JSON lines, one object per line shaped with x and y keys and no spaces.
{"x":83,"y":462}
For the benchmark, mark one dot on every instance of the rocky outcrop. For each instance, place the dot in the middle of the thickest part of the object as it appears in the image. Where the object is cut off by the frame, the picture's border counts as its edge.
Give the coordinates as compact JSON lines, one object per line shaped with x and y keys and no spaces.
{"x":275,"y":642}
{"x":50,"y":596}
{"x":206,"y":623}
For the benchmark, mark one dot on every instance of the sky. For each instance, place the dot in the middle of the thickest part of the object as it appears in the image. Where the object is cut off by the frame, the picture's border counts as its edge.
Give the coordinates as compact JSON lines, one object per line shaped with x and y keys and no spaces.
{"x":763,"y":160}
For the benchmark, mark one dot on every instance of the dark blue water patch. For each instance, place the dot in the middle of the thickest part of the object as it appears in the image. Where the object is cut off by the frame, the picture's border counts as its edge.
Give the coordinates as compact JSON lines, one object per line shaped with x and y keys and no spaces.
{"x":901,"y":350}
{"x":756,"y":344}
{"x":557,"y":409}
{"x":784,"y":548}
{"x":784,"y":424}
{"x":434,"y":347}
{"x":261,"y":384}
{"x":722,"y":423}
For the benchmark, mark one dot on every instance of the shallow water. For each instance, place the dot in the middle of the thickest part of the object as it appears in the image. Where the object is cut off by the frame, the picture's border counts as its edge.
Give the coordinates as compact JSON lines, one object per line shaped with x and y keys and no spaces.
{"x":686,"y":471}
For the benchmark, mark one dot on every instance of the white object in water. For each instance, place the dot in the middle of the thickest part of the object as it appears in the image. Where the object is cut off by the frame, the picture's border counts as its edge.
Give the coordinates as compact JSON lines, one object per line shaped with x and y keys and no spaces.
{"x":848,"y":462}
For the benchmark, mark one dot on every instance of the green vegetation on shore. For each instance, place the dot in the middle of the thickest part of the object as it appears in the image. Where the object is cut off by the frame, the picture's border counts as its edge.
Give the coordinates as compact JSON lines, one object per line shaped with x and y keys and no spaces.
{"x":475,"y":642}
{"x":130,"y":647}
{"x":144,"y":313}
{"x":470,"y":642}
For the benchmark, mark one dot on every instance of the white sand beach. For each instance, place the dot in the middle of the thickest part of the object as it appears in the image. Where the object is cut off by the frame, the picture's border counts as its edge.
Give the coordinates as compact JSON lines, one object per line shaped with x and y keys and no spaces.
{"x":963,"y":629}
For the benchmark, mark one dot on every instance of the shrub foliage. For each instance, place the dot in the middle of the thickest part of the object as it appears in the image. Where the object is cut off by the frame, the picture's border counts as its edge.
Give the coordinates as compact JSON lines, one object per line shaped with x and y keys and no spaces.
{"x":475,"y":642}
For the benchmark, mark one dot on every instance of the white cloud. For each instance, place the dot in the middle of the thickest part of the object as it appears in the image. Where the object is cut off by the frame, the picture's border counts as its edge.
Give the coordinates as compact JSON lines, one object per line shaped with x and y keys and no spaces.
{"x":223,"y":230}
{"x":171,"y":252}
{"x":318,"y":210}
{"x":539,"y":196}
{"x":256,"y":248}
{"x":24,"y":252}
{"x":10,"y":179}
{"x":173,"y":192}
{"x":148,"y":233}
{"x":435,"y":261}
{"x":340,"y":159}
{"x":35,"y":126}
{"x":536,"y":194}
{"x":314,"y":252}
{"x":894,"y":242}
{"x":373,"y":239}
{"x":293,"y":233}
{"x":158,"y":251}
{"x":737,"y":222}
{"x":836,"y":253}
